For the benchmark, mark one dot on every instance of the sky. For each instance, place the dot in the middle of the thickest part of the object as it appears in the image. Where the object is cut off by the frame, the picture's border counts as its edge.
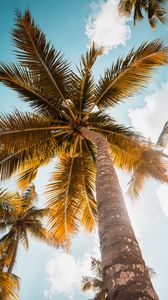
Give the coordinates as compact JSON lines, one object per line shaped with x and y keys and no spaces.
{"x":48,"y":273}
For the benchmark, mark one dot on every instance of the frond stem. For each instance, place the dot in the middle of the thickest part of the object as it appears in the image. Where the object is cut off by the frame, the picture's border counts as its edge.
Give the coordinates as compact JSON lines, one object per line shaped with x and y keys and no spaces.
{"x":34,"y":129}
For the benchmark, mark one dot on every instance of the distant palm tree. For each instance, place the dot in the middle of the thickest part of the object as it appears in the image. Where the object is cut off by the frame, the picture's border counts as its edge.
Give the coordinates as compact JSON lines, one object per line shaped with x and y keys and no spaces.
{"x":96,"y":283}
{"x":70,"y":124}
{"x":155,"y":9}
{"x":20,"y":217}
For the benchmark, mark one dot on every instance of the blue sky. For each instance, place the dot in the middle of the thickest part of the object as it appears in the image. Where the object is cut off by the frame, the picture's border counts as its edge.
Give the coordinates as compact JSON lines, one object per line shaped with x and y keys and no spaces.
{"x":70,"y":25}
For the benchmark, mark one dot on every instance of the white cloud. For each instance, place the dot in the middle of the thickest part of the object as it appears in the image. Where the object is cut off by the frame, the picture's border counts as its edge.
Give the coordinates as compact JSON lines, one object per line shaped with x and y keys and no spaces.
{"x":64,"y":272}
{"x":106,"y":27}
{"x":150,"y":119}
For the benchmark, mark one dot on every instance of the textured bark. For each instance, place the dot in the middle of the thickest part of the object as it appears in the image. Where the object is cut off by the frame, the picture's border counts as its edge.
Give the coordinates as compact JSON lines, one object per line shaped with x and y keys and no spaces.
{"x":10,"y":268}
{"x":125,"y":274}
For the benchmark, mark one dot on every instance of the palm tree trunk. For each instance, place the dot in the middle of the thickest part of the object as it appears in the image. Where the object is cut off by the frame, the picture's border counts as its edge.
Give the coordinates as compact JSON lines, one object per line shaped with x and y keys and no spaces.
{"x":10,"y":268}
{"x":125,"y":274}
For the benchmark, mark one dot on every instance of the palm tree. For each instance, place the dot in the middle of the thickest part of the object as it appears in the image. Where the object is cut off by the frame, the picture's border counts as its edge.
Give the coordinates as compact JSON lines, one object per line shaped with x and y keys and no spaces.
{"x":20,"y":217}
{"x":70,"y":123}
{"x":95,"y":283}
{"x":155,"y":9}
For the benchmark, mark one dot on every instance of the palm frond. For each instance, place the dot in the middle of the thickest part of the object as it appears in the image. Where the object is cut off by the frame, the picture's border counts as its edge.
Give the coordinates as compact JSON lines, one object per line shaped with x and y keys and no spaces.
{"x":95,"y":283}
{"x":163,"y":137}
{"x":9,"y":286}
{"x":83,"y":84}
{"x":126,"y":6}
{"x":7,"y":243}
{"x":96,"y":267}
{"x":28,"y":85}
{"x":131,"y":74}
{"x":24,"y":128}
{"x":41,"y":58}
{"x":27,"y":173}
{"x":155,"y":9}
{"x":39,"y":232}
{"x":87,"y":283}
{"x":89,"y":210}
{"x":65,"y":197}
{"x":152,"y":163}
{"x":42,"y":151}
{"x":6,"y":207}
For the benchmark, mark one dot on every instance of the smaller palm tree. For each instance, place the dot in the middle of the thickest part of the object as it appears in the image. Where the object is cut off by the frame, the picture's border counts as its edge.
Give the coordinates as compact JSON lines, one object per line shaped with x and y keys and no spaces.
{"x":20,"y":217}
{"x":95,"y":283}
{"x":155,"y":10}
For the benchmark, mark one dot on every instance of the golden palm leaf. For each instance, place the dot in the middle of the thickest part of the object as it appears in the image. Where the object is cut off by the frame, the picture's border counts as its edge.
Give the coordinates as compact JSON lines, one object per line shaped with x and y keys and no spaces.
{"x":128,"y":76}
{"x":41,"y":58}
{"x":9,"y":286}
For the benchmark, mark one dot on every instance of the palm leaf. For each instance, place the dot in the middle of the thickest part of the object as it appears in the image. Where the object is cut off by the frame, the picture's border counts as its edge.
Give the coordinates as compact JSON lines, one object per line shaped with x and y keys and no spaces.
{"x":5,"y":204}
{"x":95,"y":283}
{"x":89,"y":210}
{"x":28,"y":85}
{"x":41,"y":58}
{"x":83,"y":84}
{"x":65,"y":197}
{"x":9,"y":286}
{"x":155,"y":9}
{"x":129,"y":75}
{"x":7,"y":243}
{"x":151,"y":164}
{"x":25,"y":128}
{"x":163,"y":137}
{"x":27,"y":174}
{"x":43,"y":151}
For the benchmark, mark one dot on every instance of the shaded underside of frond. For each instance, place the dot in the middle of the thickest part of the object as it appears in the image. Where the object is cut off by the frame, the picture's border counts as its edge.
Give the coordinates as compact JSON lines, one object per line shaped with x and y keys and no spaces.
{"x":70,"y":196}
{"x":20,"y":155}
{"x":27,"y":173}
{"x":7,"y":244}
{"x":22,"y":129}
